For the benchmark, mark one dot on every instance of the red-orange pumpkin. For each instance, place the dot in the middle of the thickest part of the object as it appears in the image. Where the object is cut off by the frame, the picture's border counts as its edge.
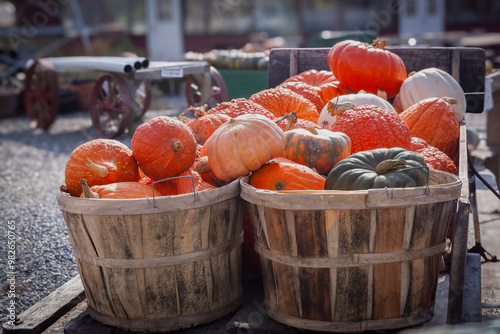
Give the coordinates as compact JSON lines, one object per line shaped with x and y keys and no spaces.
{"x":284,"y":174}
{"x":369,"y":67}
{"x":165,"y":187}
{"x":325,"y":83}
{"x":370,"y":127}
{"x":281,"y":101}
{"x":99,"y":161}
{"x":203,"y":125}
{"x":435,"y":121}
{"x":164,"y":147}
{"x":119,"y":190}
{"x":434,"y":157}
{"x":190,"y":178}
{"x":241,"y":106}
{"x":306,"y":91}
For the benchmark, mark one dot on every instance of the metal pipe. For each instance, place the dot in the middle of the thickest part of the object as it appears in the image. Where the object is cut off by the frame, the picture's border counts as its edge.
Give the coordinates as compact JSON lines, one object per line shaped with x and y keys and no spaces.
{"x":112,"y":64}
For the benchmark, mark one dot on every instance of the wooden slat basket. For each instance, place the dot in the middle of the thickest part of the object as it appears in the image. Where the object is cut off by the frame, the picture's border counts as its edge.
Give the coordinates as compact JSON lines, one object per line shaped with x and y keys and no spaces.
{"x":159,"y":266}
{"x":350,"y":261}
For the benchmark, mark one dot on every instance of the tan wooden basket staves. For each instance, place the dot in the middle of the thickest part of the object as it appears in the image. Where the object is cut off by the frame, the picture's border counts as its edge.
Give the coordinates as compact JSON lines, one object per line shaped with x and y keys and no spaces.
{"x":342,"y":261}
{"x":161,"y":267}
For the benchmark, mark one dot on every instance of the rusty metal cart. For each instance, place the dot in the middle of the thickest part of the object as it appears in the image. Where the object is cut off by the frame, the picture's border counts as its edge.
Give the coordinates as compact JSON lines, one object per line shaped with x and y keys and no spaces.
{"x":122,"y":95}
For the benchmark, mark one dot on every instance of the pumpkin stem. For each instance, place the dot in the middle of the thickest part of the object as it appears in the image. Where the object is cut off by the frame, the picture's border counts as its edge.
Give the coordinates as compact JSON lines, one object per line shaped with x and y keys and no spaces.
{"x":176,"y":146}
{"x":411,"y":73}
{"x":382,"y":94}
{"x":291,"y":117}
{"x":202,"y":166}
{"x":450,"y":100}
{"x":379,"y":44}
{"x":87,"y":193}
{"x":389,"y":164}
{"x":101,"y":171}
{"x":336,"y":109}
{"x":312,"y":130}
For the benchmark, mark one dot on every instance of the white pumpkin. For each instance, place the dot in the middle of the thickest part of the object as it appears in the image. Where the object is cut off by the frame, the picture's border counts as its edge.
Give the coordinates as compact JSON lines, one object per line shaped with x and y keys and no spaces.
{"x":325,"y":119}
{"x":432,"y":82}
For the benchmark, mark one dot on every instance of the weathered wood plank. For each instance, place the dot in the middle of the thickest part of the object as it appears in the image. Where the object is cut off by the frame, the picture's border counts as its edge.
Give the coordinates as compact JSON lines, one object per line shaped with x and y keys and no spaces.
{"x":44,"y":313}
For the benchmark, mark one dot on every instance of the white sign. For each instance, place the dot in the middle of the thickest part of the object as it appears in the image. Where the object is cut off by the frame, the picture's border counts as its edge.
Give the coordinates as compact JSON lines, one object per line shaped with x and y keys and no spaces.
{"x":488,"y":97}
{"x":172,"y":72}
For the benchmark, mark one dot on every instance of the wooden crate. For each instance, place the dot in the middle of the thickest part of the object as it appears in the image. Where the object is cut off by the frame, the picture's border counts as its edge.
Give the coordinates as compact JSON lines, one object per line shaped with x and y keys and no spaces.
{"x":467,"y":66}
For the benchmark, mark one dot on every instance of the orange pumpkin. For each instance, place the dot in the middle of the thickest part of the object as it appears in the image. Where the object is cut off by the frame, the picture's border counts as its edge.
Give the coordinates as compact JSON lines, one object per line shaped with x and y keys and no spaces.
{"x":119,"y":190}
{"x":325,"y":83}
{"x":433,"y":157}
{"x":435,"y":121}
{"x":284,"y":174}
{"x":370,"y":127}
{"x":242,"y":145}
{"x":241,"y":106}
{"x":164,"y":147}
{"x":99,"y":161}
{"x":202,"y":167}
{"x":306,"y":91}
{"x":281,"y":101}
{"x":203,"y":125}
{"x":190,"y":178}
{"x":165,"y":187}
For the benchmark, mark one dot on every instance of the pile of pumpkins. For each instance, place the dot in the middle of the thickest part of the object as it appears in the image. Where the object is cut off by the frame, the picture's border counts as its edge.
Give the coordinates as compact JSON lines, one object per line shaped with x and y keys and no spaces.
{"x":317,"y":130}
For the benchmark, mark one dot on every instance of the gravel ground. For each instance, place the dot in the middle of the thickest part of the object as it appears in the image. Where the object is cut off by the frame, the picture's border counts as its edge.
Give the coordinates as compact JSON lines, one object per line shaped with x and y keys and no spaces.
{"x":33,"y":169}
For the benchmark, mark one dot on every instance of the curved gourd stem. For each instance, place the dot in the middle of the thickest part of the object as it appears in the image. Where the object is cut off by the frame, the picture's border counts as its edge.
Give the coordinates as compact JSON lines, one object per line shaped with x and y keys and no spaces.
{"x":291,"y":117}
{"x":389,"y":164}
{"x":101,"y":171}
{"x":87,"y":193}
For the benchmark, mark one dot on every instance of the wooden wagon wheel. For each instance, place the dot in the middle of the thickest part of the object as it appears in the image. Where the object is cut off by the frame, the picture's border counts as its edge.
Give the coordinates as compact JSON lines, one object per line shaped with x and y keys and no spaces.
{"x":110,"y":106}
{"x":218,"y":90}
{"x":143,"y":95}
{"x":41,"y":94}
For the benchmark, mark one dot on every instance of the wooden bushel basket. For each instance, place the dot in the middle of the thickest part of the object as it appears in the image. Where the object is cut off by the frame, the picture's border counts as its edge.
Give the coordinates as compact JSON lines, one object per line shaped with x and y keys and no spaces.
{"x":350,"y":261}
{"x":159,"y":266}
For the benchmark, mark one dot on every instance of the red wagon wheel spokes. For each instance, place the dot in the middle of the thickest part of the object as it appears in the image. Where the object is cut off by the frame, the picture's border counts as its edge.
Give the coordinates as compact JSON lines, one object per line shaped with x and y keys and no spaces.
{"x":110,"y":106}
{"x":41,"y":94}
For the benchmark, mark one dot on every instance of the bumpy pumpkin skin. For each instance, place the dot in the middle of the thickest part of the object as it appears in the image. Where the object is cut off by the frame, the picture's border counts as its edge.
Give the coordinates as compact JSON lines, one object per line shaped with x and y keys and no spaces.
{"x":358,"y":171}
{"x":238,"y":107}
{"x":319,"y":149}
{"x":124,"y":190}
{"x":205,"y":124}
{"x":368,"y":67}
{"x":281,"y":101}
{"x":325,"y":83}
{"x":115,"y":158}
{"x":370,"y":127}
{"x":242,"y":145}
{"x":284,"y":174}
{"x":434,"y":157}
{"x":164,"y":147}
{"x":435,"y":121}
{"x":306,"y":91}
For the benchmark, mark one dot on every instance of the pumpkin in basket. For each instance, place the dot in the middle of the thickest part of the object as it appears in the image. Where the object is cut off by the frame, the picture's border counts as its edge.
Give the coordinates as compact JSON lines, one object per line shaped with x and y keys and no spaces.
{"x":119,"y":190}
{"x":379,"y":168}
{"x":240,"y":106}
{"x":324,"y":82}
{"x":433,"y":157}
{"x":434,"y":121}
{"x":164,"y":187}
{"x":281,"y":101}
{"x":319,"y":149}
{"x":283,"y":174}
{"x":369,"y":67}
{"x":164,"y":147}
{"x":189,"y":179}
{"x":99,"y":161}
{"x":327,"y":115}
{"x":242,"y":145}
{"x":203,"y":125}
{"x":371,"y":127}
{"x":431,"y":82}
